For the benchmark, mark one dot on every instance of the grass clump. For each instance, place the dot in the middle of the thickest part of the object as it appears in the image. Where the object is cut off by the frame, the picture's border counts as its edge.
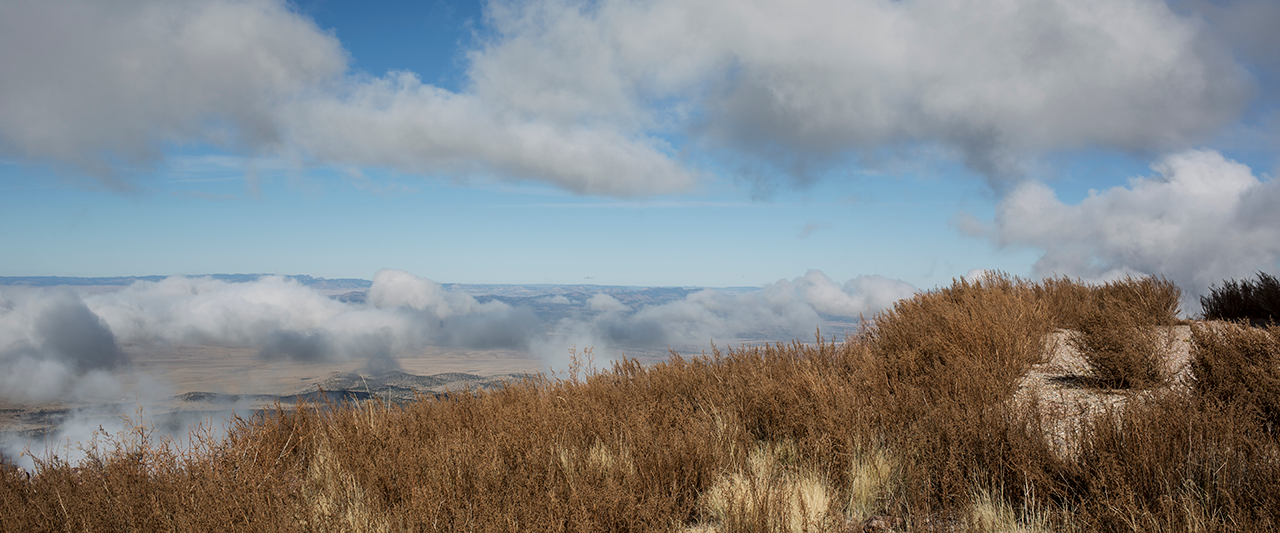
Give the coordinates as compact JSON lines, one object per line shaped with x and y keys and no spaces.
{"x":992,"y":513}
{"x":1254,"y":301}
{"x":872,"y":479}
{"x":772,"y":493}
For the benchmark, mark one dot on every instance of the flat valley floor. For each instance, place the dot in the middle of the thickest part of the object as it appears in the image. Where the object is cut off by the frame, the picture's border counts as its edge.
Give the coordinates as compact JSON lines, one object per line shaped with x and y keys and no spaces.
{"x":177,"y":386}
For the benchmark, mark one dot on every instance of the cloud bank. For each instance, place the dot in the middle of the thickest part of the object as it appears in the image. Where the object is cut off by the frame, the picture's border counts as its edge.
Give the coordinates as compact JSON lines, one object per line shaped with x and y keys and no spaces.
{"x":612,"y":97}
{"x":51,"y":341}
{"x":994,"y":80}
{"x":54,"y":342}
{"x":786,"y":309}
{"x":1201,"y":219}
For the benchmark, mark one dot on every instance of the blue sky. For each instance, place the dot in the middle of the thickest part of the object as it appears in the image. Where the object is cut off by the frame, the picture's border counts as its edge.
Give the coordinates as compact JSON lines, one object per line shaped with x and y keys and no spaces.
{"x":640,"y":143}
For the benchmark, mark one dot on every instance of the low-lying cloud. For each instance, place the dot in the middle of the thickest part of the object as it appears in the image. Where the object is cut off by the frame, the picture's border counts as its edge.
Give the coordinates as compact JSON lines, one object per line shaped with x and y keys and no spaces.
{"x":615,"y":97}
{"x":288,"y":320}
{"x":1201,"y":219}
{"x":786,"y":309}
{"x":52,"y":340}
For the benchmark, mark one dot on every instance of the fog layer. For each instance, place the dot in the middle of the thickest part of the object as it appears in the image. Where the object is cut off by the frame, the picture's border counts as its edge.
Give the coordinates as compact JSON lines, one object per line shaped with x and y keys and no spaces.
{"x":53,"y":340}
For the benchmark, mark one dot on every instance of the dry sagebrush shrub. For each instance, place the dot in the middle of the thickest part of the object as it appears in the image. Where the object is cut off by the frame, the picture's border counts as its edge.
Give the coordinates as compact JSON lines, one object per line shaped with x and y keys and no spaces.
{"x":1255,"y":301}
{"x":947,"y":362}
{"x":1066,"y":301}
{"x":133,"y":483}
{"x":1189,"y":459}
{"x":1240,"y":366}
{"x":1172,"y":461}
{"x":1123,"y":332}
{"x":991,"y":327}
{"x":631,"y":449}
{"x":1150,"y":299}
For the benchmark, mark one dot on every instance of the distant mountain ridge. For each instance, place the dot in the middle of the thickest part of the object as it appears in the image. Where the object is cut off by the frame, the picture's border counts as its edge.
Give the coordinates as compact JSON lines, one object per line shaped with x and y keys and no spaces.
{"x":514,"y":291}
{"x":54,"y":281}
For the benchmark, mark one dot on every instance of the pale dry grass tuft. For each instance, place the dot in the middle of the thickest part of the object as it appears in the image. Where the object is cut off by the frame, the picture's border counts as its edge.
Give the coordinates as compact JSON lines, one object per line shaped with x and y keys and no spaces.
{"x":992,"y":513}
{"x":333,"y":500}
{"x":871,"y":481}
{"x":771,"y":494}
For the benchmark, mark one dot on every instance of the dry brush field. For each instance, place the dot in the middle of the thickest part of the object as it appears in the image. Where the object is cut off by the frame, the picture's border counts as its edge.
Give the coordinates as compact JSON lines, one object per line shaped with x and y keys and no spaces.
{"x":995,"y":405}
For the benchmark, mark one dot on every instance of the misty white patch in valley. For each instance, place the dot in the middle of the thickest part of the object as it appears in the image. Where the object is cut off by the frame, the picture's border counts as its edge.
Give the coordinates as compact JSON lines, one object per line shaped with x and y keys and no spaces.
{"x":54,"y":341}
{"x":57,"y":344}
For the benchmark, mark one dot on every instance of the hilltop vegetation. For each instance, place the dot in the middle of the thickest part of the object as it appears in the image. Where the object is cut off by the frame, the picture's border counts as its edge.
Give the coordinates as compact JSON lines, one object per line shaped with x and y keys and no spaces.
{"x":913,"y":419}
{"x":1255,"y":301}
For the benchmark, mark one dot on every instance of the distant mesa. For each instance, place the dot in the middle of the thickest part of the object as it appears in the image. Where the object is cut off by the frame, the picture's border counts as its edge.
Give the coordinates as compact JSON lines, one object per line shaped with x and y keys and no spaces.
{"x":213,"y":397}
{"x":353,"y":297}
{"x":392,"y":387}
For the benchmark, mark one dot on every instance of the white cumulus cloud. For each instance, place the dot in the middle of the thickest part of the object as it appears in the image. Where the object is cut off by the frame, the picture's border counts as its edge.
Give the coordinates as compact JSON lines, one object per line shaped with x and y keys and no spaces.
{"x":1201,"y":219}
{"x":803,"y":79}
{"x":615,"y":97}
{"x":50,"y":342}
{"x":87,"y":81}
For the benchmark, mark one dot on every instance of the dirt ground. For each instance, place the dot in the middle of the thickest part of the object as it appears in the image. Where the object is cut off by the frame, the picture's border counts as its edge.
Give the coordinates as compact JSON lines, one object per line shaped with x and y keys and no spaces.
{"x":1067,"y":394}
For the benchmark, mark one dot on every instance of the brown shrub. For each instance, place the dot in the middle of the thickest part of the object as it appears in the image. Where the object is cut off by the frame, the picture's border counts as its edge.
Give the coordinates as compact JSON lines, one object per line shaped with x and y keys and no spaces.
{"x":1174,"y":462}
{"x":1150,"y":300}
{"x":947,"y":362}
{"x":1240,"y":366}
{"x":992,"y":327}
{"x":1066,"y":301}
{"x":1123,"y":331}
{"x":1254,"y":301}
